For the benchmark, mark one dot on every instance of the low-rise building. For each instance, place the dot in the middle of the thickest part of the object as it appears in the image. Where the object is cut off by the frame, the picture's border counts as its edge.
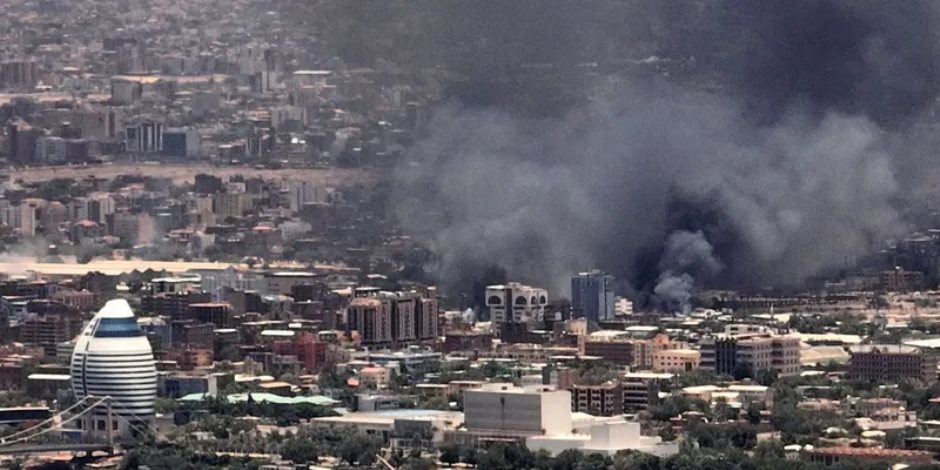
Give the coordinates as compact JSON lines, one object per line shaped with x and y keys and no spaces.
{"x":885,"y":363}
{"x":676,"y":360}
{"x":747,"y":354}
{"x":541,"y":418}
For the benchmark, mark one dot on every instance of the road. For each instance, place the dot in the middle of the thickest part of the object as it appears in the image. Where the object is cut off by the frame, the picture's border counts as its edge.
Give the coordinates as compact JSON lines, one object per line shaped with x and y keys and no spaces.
{"x":180,"y":173}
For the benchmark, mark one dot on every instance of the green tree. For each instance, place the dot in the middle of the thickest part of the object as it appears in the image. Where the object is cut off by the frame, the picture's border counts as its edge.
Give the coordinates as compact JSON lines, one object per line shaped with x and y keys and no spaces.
{"x":298,"y":450}
{"x":769,"y":450}
{"x":766,"y":377}
{"x":667,"y":434}
{"x":359,"y":449}
{"x":670,"y":407}
{"x":568,"y":459}
{"x":632,"y":460}
{"x":166,"y":405}
{"x":418,"y":463}
{"x":543,"y":460}
{"x":494,"y":459}
{"x":450,"y":454}
{"x":594,"y":461}
{"x":754,"y":412}
{"x":469,"y":455}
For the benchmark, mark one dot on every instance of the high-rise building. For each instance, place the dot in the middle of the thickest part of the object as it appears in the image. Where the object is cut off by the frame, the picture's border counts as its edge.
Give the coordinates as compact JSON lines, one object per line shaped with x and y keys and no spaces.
{"x":145,"y":137}
{"x":398,"y":318}
{"x":112,"y":358}
{"x":180,"y":143}
{"x":592,"y":296}
{"x":371,"y":318}
{"x":426,"y":316}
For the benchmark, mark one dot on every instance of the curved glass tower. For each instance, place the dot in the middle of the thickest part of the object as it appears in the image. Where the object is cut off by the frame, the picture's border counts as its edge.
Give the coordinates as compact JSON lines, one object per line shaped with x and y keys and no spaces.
{"x":113,"y":358}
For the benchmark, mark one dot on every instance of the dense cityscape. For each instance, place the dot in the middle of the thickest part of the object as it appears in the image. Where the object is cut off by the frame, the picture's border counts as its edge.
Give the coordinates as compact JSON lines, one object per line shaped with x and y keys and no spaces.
{"x":418,"y":234}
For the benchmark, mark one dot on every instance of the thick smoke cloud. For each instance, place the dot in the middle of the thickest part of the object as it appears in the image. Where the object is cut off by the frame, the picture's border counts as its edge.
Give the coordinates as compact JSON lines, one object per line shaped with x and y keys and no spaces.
{"x":786,"y":167}
{"x":687,"y":256}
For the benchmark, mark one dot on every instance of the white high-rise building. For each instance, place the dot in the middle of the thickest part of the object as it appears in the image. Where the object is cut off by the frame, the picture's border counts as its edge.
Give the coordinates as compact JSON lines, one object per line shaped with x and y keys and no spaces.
{"x":112,"y":358}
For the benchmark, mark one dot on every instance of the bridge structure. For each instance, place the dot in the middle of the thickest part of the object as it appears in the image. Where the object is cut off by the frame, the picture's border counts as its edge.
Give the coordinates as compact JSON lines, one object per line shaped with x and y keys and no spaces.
{"x":30,"y":441}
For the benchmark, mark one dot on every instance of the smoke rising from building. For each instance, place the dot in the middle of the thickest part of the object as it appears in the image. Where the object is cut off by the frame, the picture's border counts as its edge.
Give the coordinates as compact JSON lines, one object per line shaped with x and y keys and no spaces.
{"x":790,"y":168}
{"x":687,"y":256}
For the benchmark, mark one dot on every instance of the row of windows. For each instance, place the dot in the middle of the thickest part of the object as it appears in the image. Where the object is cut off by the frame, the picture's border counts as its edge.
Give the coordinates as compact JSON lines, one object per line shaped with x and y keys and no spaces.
{"x":520,"y":300}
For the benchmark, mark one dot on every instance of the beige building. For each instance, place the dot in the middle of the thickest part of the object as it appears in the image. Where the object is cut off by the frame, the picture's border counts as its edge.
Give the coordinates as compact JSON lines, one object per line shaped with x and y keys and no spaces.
{"x":751,"y":353}
{"x":676,"y":360}
{"x":516,"y":303}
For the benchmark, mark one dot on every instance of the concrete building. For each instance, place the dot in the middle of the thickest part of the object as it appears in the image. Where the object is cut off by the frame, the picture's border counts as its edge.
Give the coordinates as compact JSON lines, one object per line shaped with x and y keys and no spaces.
{"x":283,"y":282}
{"x":592,"y":296}
{"x":180,"y":143}
{"x":598,"y":400}
{"x":676,"y":360}
{"x":746,"y":355}
{"x":516,"y":303}
{"x":883,"y":363}
{"x":623,"y":307}
{"x":542,"y":419}
{"x":19,"y":74}
{"x":397,"y":318}
{"x":503,"y":408}
{"x":616,"y":351}
{"x":641,"y":389}
{"x":230,"y":205}
{"x":899,"y":279}
{"x":300,"y":193}
{"x":462,"y":341}
{"x":388,"y":424}
{"x":371,"y":319}
{"x":50,"y":328}
{"x":216,"y":313}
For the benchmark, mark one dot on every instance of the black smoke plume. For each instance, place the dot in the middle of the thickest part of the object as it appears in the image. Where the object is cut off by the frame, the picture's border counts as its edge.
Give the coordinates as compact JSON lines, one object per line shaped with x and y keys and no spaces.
{"x":773,"y":133}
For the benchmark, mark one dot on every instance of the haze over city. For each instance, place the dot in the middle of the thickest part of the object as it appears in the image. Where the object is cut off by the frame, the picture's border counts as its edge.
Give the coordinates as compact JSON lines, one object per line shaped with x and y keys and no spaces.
{"x":416,"y":234}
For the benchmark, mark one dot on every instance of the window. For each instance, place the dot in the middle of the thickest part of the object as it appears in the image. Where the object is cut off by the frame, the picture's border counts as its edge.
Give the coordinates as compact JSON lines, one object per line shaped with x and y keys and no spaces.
{"x":117,"y":328}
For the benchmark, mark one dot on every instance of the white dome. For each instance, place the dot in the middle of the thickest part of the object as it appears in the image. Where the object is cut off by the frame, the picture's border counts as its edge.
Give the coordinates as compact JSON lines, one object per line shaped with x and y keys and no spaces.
{"x":112,"y":357}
